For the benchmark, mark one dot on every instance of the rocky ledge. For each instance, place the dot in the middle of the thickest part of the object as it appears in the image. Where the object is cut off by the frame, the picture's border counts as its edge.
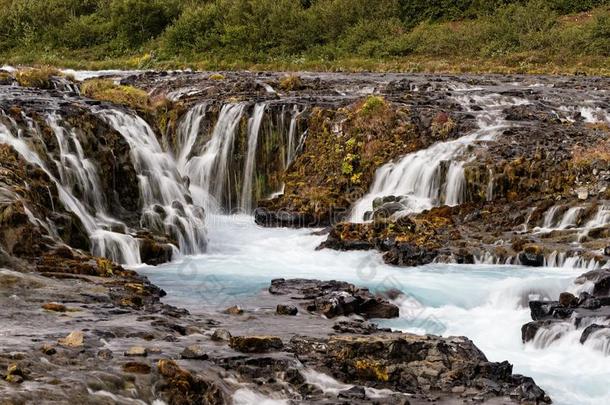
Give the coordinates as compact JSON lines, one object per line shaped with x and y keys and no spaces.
{"x":588,"y":314}
{"x":125,"y":345}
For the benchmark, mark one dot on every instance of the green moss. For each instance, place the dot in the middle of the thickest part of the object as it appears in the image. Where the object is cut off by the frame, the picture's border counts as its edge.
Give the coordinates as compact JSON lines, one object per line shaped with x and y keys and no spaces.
{"x":216,"y":76}
{"x":106,"y":90}
{"x":291,"y":83}
{"x":373,"y":105}
{"x":38,"y":77}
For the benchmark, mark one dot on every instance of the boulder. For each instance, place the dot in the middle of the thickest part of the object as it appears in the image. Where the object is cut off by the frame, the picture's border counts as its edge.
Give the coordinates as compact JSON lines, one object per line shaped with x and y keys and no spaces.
{"x":256,"y":344}
{"x":568,"y":300}
{"x":290,"y":310}
{"x":194,"y":352}
{"x":221,"y":335}
{"x":74,"y":339}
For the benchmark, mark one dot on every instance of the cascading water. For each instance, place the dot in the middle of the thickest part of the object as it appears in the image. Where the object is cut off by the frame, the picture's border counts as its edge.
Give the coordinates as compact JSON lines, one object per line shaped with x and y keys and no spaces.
{"x":417,"y":178}
{"x":223,"y":180}
{"x":254,"y":126}
{"x":208,"y":169}
{"x":164,"y":198}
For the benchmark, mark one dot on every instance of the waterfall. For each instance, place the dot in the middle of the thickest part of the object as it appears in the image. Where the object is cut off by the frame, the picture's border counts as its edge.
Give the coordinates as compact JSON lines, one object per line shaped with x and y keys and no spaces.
{"x":188,"y":131}
{"x":164,"y":198}
{"x":570,"y":218}
{"x":76,"y":172}
{"x":549,"y":217}
{"x":254,"y":126}
{"x":208,"y":171}
{"x":165,"y":202}
{"x":293,"y":142}
{"x":417,"y":178}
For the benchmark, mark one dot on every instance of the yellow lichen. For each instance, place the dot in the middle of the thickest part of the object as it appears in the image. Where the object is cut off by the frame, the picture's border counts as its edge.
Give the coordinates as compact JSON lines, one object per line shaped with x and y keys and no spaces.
{"x":372,"y":368}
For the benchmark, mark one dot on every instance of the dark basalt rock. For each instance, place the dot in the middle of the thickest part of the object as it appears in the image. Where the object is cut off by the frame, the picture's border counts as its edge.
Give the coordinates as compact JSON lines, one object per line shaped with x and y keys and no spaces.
{"x":406,"y":363}
{"x":529,"y":330}
{"x":590,"y":330}
{"x":256,"y":344}
{"x":290,"y":310}
{"x":531,"y":259}
{"x":406,"y":254}
{"x":542,"y":310}
{"x":335,"y":298}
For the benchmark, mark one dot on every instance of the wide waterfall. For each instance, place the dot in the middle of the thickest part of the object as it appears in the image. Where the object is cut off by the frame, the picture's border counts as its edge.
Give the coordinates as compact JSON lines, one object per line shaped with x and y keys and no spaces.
{"x":231,"y":167}
{"x":435,"y":176}
{"x":166,"y":205}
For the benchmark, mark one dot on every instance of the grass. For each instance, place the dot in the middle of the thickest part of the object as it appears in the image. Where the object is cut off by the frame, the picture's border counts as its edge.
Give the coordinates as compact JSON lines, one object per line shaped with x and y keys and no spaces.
{"x":107,"y":90}
{"x":37,"y":77}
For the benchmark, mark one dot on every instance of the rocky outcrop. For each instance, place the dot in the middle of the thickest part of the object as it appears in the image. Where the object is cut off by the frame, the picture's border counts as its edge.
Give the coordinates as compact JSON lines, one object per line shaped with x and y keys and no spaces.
{"x":334,"y":298}
{"x":587,"y":313}
{"x":418,"y":366}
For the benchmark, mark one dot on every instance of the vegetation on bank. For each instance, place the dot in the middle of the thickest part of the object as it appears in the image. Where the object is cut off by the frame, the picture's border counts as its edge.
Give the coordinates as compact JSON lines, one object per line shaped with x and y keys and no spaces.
{"x":402,"y":35}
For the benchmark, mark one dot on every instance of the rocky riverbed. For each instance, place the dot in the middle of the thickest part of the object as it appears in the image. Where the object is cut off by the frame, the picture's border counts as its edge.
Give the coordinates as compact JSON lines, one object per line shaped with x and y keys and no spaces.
{"x":422,"y":168}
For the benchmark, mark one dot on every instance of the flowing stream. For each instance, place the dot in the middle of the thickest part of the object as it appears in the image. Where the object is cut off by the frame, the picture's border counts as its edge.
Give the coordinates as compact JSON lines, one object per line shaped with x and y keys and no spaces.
{"x":487,"y":303}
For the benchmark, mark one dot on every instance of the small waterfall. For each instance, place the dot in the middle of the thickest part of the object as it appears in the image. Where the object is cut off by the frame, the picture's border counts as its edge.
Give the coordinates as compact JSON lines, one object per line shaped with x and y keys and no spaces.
{"x":418,"y":177}
{"x":549,"y":217}
{"x":188,"y":131}
{"x":254,"y":126}
{"x":455,"y":192}
{"x":570,"y":218}
{"x":208,"y":171}
{"x":164,"y":198}
{"x":293,"y":142}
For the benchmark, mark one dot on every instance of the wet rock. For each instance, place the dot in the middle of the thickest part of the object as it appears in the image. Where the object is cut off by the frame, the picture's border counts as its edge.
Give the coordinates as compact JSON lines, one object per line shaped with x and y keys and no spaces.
{"x":406,"y":254}
{"x":600,"y":280}
{"x":587,"y":301}
{"x":221,"y":335}
{"x":590,"y":330}
{"x":256,"y":344}
{"x":234,"y":310}
{"x":153,"y":252}
{"x":541,"y":310}
{"x":136,"y":351}
{"x":530,"y":329}
{"x":607,"y":251}
{"x":179,"y":386}
{"x":414,"y":364}
{"x":531,"y":259}
{"x":358,"y":327}
{"x":105,"y":354}
{"x":74,"y":339}
{"x":335,"y":298}
{"x":283,"y":309}
{"x":354,"y":393}
{"x":135,"y":367}
{"x":54,"y":307}
{"x":194,"y":352}
{"x":568,"y":300}
{"x":48,"y":349}
{"x":378,"y":308}
{"x":386,"y":210}
{"x":15,"y":373}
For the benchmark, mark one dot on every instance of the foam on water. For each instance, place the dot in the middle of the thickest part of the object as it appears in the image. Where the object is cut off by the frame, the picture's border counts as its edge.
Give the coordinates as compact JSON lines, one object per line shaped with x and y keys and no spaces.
{"x":486,"y":303}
